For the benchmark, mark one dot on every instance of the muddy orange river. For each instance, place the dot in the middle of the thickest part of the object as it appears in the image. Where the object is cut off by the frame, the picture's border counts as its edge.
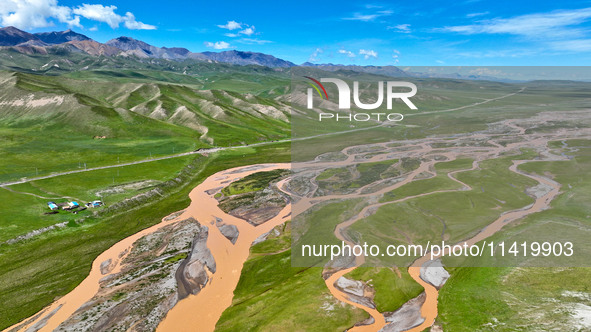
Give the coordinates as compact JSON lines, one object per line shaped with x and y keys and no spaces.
{"x":216,"y":296}
{"x":202,"y":311}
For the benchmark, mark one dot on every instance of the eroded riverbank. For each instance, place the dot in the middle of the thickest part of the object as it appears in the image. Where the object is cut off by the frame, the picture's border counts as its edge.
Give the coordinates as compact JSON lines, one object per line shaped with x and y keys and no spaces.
{"x":214,"y":298}
{"x":229,"y":258}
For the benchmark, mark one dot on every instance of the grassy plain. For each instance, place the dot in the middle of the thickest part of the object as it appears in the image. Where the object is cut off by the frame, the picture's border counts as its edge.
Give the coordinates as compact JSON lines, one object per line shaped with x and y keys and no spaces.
{"x":528,"y":293}
{"x":273,"y":295}
{"x":393,"y":286}
{"x":34,"y":272}
{"x":253,"y":182}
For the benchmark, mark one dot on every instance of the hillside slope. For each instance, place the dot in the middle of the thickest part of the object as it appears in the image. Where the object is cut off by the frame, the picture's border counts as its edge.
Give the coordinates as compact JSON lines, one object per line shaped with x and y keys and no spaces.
{"x":66,"y":123}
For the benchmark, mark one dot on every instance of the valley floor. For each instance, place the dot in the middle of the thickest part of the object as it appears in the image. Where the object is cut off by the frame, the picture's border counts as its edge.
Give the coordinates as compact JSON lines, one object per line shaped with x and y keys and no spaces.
{"x":509,"y":172}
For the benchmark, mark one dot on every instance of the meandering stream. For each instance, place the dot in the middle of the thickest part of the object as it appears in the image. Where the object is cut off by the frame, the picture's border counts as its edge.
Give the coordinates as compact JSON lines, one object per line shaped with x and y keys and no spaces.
{"x":429,"y":307}
{"x":217,"y":295}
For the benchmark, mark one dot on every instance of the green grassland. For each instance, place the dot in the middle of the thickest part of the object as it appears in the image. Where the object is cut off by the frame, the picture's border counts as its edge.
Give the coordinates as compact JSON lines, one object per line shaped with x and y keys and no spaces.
{"x":345,"y":179}
{"x":254,"y":182}
{"x":512,"y":294}
{"x":391,"y":289}
{"x":85,"y":186}
{"x":426,"y":219}
{"x":272,"y":295}
{"x":321,"y":233}
{"x":59,"y":135}
{"x":24,"y":213}
{"x":440,"y":182}
{"x":510,"y":299}
{"x":34,"y":272}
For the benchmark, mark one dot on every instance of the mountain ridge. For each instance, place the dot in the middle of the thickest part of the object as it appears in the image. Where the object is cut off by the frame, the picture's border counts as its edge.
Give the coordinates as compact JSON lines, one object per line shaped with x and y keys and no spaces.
{"x":62,"y":44}
{"x":11,"y":36}
{"x":46,"y":42}
{"x":60,"y":37}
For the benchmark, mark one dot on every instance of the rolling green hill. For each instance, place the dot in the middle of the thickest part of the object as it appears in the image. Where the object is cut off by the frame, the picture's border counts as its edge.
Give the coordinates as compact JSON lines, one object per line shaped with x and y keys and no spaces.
{"x":63,"y":123}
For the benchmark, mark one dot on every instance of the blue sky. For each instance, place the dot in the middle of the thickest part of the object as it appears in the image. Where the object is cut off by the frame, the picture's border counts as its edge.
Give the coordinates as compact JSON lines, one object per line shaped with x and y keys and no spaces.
{"x":404,"y":33}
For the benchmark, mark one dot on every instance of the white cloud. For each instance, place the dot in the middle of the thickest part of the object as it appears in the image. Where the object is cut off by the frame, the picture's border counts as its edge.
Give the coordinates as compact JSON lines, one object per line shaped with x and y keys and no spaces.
{"x":500,"y":53}
{"x":245,"y":29}
{"x":559,"y":30}
{"x":476,"y":14}
{"x":368,"y":16}
{"x":315,"y":55}
{"x":132,"y":24}
{"x":252,"y":41}
{"x":100,"y":13}
{"x":575,"y":45}
{"x":217,"y":45}
{"x":348,"y":53}
{"x":107,"y":15}
{"x":404,"y":28}
{"x":368,"y":54}
{"x":395,"y":56}
{"x":31,"y":14}
{"x":248,"y":31}
{"x":231,"y":25}
{"x":556,"y":24}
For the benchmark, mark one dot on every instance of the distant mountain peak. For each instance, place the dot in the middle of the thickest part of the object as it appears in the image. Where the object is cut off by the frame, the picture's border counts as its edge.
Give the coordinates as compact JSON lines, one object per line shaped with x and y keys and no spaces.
{"x":124,"y":39}
{"x":60,"y":37}
{"x":11,"y":28}
{"x":11,"y":36}
{"x":248,"y":58}
{"x":127,"y":43}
